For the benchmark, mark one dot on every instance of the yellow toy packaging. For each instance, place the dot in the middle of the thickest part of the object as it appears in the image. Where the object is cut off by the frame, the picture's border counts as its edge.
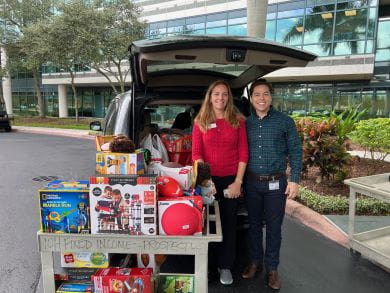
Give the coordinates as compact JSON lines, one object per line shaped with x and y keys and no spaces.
{"x":84,"y":260}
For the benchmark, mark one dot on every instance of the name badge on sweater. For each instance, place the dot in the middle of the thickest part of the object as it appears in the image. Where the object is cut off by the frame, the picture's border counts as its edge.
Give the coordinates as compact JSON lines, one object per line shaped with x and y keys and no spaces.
{"x":213,"y":125}
{"x":274,"y":185}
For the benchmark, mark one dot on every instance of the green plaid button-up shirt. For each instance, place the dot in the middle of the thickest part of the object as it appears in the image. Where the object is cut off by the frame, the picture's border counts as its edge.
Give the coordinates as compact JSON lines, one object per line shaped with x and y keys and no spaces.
{"x":272,"y":141}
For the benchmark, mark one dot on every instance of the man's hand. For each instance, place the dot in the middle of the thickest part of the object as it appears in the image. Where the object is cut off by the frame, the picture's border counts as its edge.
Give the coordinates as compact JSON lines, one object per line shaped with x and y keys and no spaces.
{"x":292,"y":190}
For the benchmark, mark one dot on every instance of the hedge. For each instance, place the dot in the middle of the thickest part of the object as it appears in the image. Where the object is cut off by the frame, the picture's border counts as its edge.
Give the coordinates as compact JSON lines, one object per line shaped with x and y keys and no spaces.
{"x":339,"y":205}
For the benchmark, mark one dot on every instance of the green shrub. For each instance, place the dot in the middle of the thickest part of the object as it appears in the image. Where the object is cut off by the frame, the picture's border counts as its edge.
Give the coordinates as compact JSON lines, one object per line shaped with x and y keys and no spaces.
{"x":346,"y":121}
{"x":322,"y":149}
{"x":339,"y":205}
{"x":373,"y":135}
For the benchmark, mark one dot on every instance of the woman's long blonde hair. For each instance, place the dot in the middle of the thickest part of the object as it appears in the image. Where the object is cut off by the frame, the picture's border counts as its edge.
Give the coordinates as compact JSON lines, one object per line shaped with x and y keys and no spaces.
{"x":206,"y":114}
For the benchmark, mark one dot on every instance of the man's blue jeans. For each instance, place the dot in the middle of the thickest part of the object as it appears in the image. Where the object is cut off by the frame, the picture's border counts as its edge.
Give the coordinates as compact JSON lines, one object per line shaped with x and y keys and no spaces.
{"x":269,"y":205}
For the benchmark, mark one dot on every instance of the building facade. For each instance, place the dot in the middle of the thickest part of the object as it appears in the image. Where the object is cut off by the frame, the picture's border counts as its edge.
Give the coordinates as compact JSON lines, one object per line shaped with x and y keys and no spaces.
{"x":351,"y":38}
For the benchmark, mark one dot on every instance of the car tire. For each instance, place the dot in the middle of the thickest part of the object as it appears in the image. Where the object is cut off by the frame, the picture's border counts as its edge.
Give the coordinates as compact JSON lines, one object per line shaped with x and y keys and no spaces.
{"x":8,"y":129}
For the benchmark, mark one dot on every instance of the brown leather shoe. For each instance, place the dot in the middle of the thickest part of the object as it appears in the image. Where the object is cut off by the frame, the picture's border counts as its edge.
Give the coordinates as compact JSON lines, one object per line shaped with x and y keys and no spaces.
{"x":273,"y":280}
{"x":251,"y":270}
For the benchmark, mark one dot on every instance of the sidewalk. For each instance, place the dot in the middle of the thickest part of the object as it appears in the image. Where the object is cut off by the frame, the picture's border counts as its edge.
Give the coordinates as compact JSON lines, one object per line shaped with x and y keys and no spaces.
{"x":332,"y":227}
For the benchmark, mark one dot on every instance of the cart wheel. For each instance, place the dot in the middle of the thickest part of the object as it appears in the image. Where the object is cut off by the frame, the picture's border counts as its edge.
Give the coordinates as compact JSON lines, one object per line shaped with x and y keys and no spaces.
{"x":355,"y":254}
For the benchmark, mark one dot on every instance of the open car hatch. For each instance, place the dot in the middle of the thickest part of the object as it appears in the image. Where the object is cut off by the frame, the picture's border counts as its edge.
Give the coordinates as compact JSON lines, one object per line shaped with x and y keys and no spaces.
{"x":193,"y":60}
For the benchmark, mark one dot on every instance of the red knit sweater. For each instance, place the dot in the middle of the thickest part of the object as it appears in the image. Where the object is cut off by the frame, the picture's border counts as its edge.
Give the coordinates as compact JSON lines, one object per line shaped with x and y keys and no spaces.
{"x":222,"y":146}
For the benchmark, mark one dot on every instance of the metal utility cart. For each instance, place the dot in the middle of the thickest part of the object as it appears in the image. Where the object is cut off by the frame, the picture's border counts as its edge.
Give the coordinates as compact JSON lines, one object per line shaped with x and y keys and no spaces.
{"x":115,"y":243}
{"x":374,"y":244}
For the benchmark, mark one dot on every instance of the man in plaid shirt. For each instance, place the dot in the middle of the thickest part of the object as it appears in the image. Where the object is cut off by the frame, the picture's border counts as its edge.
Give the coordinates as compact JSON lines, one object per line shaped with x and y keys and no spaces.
{"x":273,"y":140}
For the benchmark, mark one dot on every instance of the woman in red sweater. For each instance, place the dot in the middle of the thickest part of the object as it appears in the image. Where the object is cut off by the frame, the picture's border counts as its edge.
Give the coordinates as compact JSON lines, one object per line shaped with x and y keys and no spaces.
{"x":219,"y":138}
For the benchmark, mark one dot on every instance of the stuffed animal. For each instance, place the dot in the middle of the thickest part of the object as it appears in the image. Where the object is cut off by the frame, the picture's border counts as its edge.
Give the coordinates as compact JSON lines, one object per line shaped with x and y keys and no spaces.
{"x":204,"y":186}
{"x":122,"y":144}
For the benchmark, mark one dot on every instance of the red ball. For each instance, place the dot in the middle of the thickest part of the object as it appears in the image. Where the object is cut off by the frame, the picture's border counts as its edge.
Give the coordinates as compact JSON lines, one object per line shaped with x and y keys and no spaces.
{"x":169,"y":187}
{"x":180,"y":219}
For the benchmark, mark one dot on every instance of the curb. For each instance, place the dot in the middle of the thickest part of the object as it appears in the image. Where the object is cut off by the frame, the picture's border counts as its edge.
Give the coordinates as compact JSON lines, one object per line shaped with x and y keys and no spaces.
{"x":83,"y":134}
{"x":295,"y":210}
{"x":316,"y":221}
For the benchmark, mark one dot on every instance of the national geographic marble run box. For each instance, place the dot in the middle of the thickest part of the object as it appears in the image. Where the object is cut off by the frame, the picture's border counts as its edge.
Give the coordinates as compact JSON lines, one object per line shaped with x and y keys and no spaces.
{"x":114,"y":280}
{"x":123,"y":204}
{"x":64,"y":207}
{"x":75,"y":287}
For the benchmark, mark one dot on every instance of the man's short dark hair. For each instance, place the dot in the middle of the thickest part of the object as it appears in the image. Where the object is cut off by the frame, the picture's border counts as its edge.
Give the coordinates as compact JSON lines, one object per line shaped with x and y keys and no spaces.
{"x":260,"y":82}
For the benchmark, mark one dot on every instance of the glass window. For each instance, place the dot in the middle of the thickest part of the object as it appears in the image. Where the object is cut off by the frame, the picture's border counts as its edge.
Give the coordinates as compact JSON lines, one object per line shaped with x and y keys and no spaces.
{"x":193,"y":27}
{"x":320,"y":49}
{"x":271,"y":11}
{"x":383,"y":103}
{"x":370,"y":46}
{"x":371,"y":22}
{"x":289,"y":31}
{"x":237,"y":14}
{"x":215,"y":20}
{"x":196,"y":20}
{"x":347,"y":4}
{"x":346,"y":99}
{"x":368,"y":102}
{"x":291,"y":9}
{"x":239,"y":20}
{"x":319,"y":98}
{"x":382,"y":55}
{"x":319,"y":6}
{"x":383,"y":38}
{"x":348,"y":48}
{"x":373,"y":2}
{"x":216,"y":31}
{"x":237,"y":30}
{"x":270,"y":30}
{"x":350,"y":25}
{"x":318,"y":29}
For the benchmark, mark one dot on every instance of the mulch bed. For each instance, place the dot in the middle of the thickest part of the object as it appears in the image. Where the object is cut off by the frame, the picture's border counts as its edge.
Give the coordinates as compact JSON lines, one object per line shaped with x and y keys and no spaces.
{"x":358,"y":167}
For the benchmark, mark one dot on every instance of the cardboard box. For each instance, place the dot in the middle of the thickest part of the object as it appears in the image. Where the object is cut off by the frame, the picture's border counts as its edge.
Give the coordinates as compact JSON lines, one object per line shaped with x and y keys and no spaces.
{"x":64,"y":207}
{"x":175,"y":283}
{"x":182,"y":224}
{"x":123,"y":204}
{"x":75,"y":287}
{"x":120,"y":163}
{"x":114,"y":280}
{"x":100,"y":140}
{"x":84,"y":260}
{"x":182,"y":175}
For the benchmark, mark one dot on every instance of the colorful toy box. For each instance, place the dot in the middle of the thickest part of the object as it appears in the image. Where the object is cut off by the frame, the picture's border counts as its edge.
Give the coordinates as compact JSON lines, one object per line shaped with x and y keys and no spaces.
{"x":117,"y":163}
{"x":84,"y":260}
{"x":123,"y":204}
{"x":120,"y":163}
{"x":64,"y":207}
{"x":114,"y":280}
{"x":174,"y":284}
{"x":75,"y":288}
{"x":180,"y":215}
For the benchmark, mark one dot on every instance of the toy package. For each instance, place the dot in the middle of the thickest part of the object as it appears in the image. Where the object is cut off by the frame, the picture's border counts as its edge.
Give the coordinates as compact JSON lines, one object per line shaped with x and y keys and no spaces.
{"x":180,"y":215}
{"x":64,"y":207}
{"x":120,"y":163}
{"x":123,"y":280}
{"x":175,"y":284}
{"x":84,"y":260}
{"x":123,"y":204}
{"x":183,"y":175}
{"x":75,"y":287}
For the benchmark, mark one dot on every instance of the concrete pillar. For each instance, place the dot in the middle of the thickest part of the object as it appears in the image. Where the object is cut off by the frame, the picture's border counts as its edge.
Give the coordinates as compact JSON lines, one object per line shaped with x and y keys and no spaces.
{"x":6,"y":83}
{"x":256,"y":11}
{"x":62,"y":101}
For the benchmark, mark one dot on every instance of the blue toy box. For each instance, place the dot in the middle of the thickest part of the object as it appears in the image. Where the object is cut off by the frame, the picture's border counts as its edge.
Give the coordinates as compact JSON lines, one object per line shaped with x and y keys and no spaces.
{"x":65,"y":207}
{"x":75,"y":287}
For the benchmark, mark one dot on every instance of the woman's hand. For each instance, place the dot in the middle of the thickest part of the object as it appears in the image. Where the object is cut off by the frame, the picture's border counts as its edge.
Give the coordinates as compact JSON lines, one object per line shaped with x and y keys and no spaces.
{"x":234,"y":189}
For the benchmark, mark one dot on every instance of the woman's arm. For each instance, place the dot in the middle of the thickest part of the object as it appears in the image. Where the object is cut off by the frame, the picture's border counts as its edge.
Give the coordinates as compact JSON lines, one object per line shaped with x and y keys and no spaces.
{"x":197,"y":144}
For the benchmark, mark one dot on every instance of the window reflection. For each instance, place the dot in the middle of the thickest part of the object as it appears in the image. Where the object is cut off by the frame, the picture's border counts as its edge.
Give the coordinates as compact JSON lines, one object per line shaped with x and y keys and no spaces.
{"x":320,"y":50}
{"x":319,"y":99}
{"x":383,"y":103}
{"x":288,"y":31}
{"x":270,"y":30}
{"x":318,"y":29}
{"x":350,"y":25}
{"x":237,"y":30}
{"x":348,"y":48}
